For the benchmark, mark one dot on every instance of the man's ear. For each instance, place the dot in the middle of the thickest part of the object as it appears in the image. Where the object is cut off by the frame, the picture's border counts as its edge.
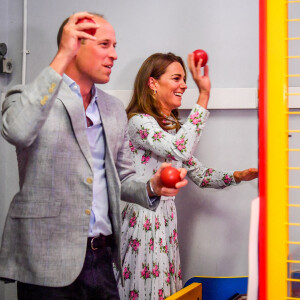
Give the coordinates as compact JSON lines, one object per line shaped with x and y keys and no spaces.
{"x":152,"y":83}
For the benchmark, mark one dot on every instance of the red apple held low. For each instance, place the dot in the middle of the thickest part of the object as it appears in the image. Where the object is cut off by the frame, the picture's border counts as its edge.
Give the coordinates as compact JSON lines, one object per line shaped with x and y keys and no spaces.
{"x":170,"y":176}
{"x":200,"y":54}
{"x":91,"y":31}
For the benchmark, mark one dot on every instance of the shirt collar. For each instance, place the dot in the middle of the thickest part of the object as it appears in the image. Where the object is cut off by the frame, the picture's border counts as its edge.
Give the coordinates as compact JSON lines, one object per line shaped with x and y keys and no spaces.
{"x":76,"y":89}
{"x":92,"y":110}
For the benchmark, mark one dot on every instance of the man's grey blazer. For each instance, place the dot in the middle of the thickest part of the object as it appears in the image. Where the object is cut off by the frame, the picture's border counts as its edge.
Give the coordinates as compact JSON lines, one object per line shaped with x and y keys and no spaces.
{"x":45,"y":235}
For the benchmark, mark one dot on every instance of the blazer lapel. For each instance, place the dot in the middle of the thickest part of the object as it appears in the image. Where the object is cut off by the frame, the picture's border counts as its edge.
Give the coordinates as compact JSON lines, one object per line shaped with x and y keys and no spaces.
{"x":104,"y":109}
{"x":105,"y":117}
{"x":76,"y":113}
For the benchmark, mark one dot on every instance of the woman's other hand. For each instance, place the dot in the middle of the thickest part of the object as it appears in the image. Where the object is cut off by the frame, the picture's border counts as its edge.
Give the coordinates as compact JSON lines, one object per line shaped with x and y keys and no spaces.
{"x":246,"y":175}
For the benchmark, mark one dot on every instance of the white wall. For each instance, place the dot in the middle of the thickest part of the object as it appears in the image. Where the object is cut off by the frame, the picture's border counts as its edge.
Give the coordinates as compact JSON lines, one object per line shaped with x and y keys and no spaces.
{"x":214,"y":224}
{"x":227,"y":30}
{"x":213,"y":227}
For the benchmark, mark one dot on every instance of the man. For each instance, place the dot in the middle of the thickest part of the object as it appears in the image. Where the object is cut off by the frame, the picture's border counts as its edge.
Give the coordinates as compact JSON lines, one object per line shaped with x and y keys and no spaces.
{"x":62,"y":231}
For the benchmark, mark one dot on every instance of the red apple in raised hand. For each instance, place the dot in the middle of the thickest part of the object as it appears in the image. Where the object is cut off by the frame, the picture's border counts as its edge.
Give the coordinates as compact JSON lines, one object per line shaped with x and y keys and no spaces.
{"x":200,"y":54}
{"x":90,"y":31}
{"x":170,"y":176}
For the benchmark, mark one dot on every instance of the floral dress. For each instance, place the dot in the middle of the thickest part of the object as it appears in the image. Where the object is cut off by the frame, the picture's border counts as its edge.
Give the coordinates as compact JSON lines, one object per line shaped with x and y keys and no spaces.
{"x":150,"y":253}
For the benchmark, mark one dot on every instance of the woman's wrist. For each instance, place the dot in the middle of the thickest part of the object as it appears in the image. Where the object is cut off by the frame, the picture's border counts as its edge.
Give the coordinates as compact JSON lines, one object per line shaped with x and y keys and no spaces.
{"x":203,"y":99}
{"x":150,"y":189}
{"x":237,"y":176}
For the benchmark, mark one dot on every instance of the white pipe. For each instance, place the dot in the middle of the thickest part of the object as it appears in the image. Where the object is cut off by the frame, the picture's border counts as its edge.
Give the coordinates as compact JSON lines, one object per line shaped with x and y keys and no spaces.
{"x":24,"y":52}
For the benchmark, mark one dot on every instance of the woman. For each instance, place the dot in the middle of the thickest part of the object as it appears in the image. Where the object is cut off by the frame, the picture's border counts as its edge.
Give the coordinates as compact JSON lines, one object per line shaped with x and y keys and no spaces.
{"x":151,"y":263}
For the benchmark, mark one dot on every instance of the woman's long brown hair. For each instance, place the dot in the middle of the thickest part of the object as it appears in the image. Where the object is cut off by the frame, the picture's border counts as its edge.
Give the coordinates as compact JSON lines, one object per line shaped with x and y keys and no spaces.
{"x":143,"y":99}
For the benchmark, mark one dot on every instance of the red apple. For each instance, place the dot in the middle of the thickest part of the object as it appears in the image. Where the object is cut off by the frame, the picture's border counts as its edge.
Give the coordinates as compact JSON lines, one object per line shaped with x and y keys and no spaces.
{"x":200,"y":54}
{"x":170,"y":176}
{"x":90,"y":31}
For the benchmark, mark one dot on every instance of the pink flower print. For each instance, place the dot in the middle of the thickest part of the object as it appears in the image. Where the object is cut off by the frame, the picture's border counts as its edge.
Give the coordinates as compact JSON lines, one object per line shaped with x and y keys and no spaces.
{"x":157,"y":136}
{"x":195,"y":119}
{"x":171,"y":268}
{"x":175,"y":235}
{"x":160,"y":242}
{"x":166,"y":222}
{"x":155,"y":270}
{"x":161,"y":294}
{"x":194,"y":115}
{"x":157,"y":223}
{"x":145,"y":271}
{"x":179,"y":274}
{"x":181,"y":148}
{"x":190,"y":162}
{"x":168,"y":280}
{"x":134,"y":244}
{"x":207,"y":177}
{"x":180,"y":144}
{"x":124,"y":214}
{"x":143,"y":133}
{"x":132,"y":221}
{"x":146,"y":157}
{"x":209,"y":172}
{"x":227,"y":179}
{"x":172,"y":216}
{"x":147,"y":225}
{"x":164,"y":248}
{"x":170,"y":156}
{"x":133,"y":295}
{"x":171,"y":239}
{"x":132,"y":148}
{"x":151,"y":244}
{"x":204,"y":182}
{"x":126,"y":272}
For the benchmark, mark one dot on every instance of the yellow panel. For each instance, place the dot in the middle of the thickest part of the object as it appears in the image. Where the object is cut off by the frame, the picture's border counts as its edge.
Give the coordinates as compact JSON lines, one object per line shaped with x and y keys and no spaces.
{"x":277,"y":155}
{"x":190,"y":292}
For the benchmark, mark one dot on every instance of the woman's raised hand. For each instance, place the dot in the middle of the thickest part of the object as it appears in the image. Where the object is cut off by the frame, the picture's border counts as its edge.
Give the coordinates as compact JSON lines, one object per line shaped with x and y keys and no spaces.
{"x":202,"y":80}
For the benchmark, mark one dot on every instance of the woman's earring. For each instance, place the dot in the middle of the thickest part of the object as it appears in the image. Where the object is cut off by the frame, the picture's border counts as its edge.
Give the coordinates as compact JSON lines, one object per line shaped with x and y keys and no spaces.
{"x":154,"y":91}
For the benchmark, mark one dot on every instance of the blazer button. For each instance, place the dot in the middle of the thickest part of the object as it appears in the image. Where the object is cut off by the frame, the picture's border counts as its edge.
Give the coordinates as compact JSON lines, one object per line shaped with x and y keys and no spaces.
{"x":51,"y":88}
{"x":87,"y":212}
{"x":89,"y":180}
{"x":44,"y":100}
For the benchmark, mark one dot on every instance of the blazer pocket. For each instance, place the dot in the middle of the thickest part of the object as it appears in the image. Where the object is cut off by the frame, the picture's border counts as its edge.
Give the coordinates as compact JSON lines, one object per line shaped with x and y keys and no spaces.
{"x":35,"y":209}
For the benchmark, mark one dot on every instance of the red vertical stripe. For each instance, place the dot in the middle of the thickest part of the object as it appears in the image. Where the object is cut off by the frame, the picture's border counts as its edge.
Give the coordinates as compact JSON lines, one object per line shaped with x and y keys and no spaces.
{"x":262,"y":152}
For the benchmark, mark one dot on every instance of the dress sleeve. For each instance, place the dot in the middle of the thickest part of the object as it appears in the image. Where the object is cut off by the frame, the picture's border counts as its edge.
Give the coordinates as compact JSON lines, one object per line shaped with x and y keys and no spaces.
{"x":208,"y":177}
{"x":145,"y":133}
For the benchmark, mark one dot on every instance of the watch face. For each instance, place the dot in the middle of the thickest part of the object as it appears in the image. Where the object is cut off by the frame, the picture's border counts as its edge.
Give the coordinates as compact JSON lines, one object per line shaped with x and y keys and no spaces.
{"x":3,"y":49}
